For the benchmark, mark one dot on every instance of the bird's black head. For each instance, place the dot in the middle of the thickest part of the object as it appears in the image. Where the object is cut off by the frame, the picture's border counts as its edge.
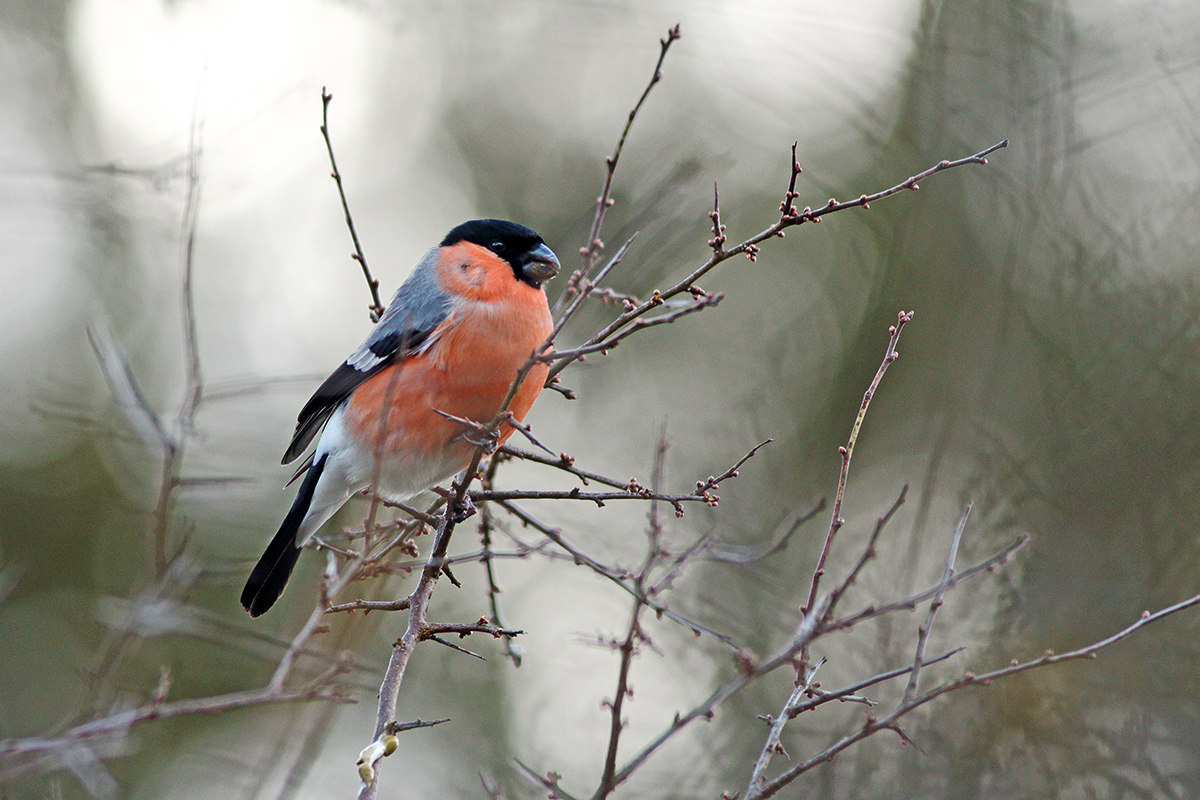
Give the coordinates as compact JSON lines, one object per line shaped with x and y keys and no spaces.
{"x":532,"y":261}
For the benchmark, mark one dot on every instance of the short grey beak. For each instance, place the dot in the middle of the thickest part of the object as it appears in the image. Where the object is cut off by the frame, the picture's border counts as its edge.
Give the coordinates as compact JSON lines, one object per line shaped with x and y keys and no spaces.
{"x":540,"y":264}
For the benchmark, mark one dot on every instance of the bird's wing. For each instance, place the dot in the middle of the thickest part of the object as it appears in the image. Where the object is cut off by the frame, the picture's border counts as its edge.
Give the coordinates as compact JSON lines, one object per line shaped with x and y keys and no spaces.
{"x":409,"y":325}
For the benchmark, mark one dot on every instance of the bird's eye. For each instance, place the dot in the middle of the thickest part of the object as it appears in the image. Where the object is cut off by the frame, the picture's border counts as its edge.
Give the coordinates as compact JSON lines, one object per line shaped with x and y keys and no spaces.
{"x":497,"y":247}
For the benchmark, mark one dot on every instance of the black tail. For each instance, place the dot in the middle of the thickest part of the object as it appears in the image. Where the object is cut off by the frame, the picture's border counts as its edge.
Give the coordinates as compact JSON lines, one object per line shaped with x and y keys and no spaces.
{"x":271,"y":573}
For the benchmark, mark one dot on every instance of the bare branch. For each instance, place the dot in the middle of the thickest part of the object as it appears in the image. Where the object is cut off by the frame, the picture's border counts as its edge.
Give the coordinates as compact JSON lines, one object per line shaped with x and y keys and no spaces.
{"x":869,"y":551}
{"x":847,"y":450}
{"x":723,"y":553}
{"x":376,"y":308}
{"x":549,"y":782}
{"x":319,"y":689}
{"x":432,"y":629}
{"x":617,"y":577}
{"x":927,"y":625}
{"x":191,"y":213}
{"x":591,"y":250}
{"x":751,"y":672}
{"x":888,"y":722}
{"x":750,"y":246}
{"x":909,"y":603}
{"x":774,"y":745}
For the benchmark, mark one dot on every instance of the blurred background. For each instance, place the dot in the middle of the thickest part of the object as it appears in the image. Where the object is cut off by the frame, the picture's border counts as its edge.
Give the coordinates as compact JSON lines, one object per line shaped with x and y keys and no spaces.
{"x":1052,"y":374}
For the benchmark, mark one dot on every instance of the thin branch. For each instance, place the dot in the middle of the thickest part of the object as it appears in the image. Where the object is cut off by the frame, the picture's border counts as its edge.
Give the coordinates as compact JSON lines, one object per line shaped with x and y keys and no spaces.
{"x":869,"y":551}
{"x":193,"y":380}
{"x":909,"y":603}
{"x":564,"y":462}
{"x":389,"y":691}
{"x":938,"y":598}
{"x":487,"y":522}
{"x":401,"y":604}
{"x":162,"y":559}
{"x":591,"y":251}
{"x":627,"y":649}
{"x":549,"y":782}
{"x":191,"y":212}
{"x":821,"y":697}
{"x":318,"y":689}
{"x":888,"y":722}
{"x":617,"y":577}
{"x":633,"y":634}
{"x":126,"y":392}
{"x":750,"y":246}
{"x":713,"y":482}
{"x":599,"y":498}
{"x":847,"y":451}
{"x":630,"y":490}
{"x":774,"y":744}
{"x":727,"y":556}
{"x":575,"y":354}
{"x":313,"y":624}
{"x":376,"y":308}
{"x":432,"y":629}
{"x":804,"y":634}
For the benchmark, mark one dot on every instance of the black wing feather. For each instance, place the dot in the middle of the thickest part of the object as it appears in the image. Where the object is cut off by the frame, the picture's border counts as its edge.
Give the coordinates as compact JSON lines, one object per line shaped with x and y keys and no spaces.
{"x":344,"y":380}
{"x":419,"y":306}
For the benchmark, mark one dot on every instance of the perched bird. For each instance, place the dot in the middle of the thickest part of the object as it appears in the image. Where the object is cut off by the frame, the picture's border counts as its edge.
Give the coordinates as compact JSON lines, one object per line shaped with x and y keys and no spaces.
{"x":452,"y":340}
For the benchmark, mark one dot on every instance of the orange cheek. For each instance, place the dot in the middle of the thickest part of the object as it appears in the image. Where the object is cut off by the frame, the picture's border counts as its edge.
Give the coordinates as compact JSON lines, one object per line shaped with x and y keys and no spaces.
{"x":473,"y":279}
{"x":475,"y":273}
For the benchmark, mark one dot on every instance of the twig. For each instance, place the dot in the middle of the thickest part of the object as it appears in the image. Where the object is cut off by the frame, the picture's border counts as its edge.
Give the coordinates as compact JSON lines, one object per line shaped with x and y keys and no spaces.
{"x":908,"y":603}
{"x":713,"y":482}
{"x":487,"y":521}
{"x":401,"y":604}
{"x":631,"y":489}
{"x":869,"y":551}
{"x":773,"y":745}
{"x":617,"y":577}
{"x":386,"y":744}
{"x":634,"y":633}
{"x":191,"y":212}
{"x":193,"y":380}
{"x":750,"y":246}
{"x":847,"y":450}
{"x":727,"y":556}
{"x":147,"y":423}
{"x":574,"y":354}
{"x":927,"y":625}
{"x":432,"y":629}
{"x":599,"y":498}
{"x":565,"y":463}
{"x":313,"y":624}
{"x":124,"y":720}
{"x":591,"y":251}
{"x":549,"y":782}
{"x":389,"y":691}
{"x":821,"y":697}
{"x":802,"y":637}
{"x":888,"y":722}
{"x":376,"y":308}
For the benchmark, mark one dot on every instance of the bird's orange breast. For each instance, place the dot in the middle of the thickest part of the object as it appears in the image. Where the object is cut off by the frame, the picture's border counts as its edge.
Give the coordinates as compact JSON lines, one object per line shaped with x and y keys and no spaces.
{"x":466,"y":372}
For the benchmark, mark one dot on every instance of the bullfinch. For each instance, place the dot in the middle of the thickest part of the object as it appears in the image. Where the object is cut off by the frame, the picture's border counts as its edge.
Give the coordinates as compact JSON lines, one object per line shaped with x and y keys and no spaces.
{"x":452,"y":340}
